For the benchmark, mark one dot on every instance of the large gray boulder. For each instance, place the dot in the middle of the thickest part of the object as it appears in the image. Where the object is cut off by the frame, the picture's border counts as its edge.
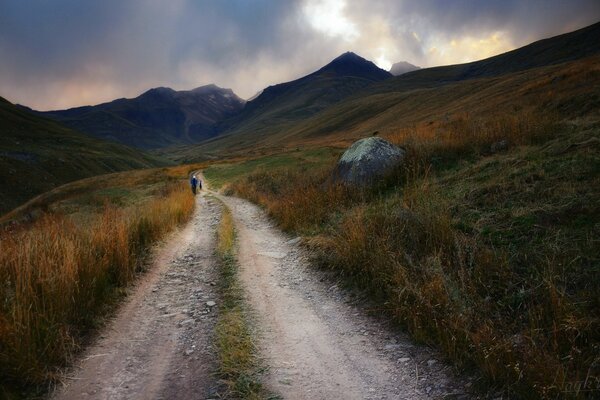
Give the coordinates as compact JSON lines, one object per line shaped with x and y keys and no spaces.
{"x":367,"y":161}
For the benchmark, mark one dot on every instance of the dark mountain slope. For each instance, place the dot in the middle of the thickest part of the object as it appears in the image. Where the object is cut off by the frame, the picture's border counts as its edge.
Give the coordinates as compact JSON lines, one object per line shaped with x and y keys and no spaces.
{"x":157,"y":118}
{"x":38,"y":154}
{"x":297,"y":100}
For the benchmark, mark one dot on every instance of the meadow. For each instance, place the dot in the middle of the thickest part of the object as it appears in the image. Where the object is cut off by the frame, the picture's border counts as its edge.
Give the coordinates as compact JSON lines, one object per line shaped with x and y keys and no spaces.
{"x":67,"y":256}
{"x":483,"y":244}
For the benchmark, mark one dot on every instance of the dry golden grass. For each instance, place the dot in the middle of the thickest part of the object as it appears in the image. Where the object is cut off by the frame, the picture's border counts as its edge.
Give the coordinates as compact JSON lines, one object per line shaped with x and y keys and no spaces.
{"x":57,"y":276}
{"x":487,"y":256}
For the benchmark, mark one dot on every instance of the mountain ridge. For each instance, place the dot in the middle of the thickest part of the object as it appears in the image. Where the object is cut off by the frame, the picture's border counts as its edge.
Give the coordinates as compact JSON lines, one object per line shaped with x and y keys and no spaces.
{"x":158,"y":117}
{"x":386,"y":103}
{"x":301,"y":98}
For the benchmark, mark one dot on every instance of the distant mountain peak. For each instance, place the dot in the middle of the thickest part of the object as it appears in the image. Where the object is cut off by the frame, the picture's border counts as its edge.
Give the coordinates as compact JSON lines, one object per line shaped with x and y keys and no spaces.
{"x":349,"y":56}
{"x":351,"y":64}
{"x":162,"y":89}
{"x":402,"y":67}
{"x":208,"y":88}
{"x":158,"y":91}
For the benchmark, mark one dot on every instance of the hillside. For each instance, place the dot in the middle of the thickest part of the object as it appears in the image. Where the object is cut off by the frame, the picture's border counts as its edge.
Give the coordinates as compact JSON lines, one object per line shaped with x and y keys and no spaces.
{"x":559,"y":74}
{"x":559,"y":49}
{"x":278,"y":107}
{"x":157,"y":118}
{"x":312,"y":93}
{"x":38,"y":154}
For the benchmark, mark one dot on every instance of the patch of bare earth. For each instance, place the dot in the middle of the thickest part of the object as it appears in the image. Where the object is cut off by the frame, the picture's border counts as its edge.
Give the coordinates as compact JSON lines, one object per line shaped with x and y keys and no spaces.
{"x":315,"y":338}
{"x":160,"y":343}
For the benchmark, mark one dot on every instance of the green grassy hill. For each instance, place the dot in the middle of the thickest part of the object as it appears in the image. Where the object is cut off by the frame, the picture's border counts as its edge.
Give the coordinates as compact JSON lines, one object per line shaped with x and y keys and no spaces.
{"x":38,"y":154}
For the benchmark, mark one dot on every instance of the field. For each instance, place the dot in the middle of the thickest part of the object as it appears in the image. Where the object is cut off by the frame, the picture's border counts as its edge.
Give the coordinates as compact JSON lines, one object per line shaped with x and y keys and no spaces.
{"x":490,"y":256}
{"x":65,"y":267}
{"x":222,"y":173}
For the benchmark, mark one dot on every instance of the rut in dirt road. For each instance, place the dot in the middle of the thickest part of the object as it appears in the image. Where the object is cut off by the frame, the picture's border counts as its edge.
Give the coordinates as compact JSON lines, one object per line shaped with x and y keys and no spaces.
{"x":316,"y":343}
{"x":159,"y":346}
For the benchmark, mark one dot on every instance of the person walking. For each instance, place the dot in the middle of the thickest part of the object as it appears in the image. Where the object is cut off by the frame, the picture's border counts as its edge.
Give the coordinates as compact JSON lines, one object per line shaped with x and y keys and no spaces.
{"x":194,"y":183}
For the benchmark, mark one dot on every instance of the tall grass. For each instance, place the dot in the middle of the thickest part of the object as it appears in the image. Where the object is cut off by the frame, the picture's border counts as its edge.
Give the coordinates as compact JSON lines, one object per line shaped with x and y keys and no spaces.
{"x":450,"y":248}
{"x":464,"y":137}
{"x":58,"y":276}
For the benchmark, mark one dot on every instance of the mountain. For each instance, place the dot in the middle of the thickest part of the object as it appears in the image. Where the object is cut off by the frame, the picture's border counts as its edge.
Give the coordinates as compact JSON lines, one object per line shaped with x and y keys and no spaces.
{"x":279,"y":106}
{"x":157,"y":118}
{"x":521,"y":79}
{"x":402,"y":67}
{"x":570,"y":46}
{"x":38,"y":154}
{"x":310,"y":94}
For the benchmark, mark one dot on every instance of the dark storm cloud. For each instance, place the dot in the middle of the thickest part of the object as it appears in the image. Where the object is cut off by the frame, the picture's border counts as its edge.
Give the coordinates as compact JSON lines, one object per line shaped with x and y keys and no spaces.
{"x":533,"y":18}
{"x":60,"y":53}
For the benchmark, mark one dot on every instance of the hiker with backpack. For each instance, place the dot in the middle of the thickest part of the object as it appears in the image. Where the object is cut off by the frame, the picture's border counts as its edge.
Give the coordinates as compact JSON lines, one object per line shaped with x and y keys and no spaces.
{"x":194,"y":183}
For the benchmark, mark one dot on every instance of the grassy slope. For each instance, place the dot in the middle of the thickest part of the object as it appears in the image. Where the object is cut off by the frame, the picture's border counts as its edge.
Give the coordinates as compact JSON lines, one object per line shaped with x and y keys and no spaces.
{"x":87,"y":196}
{"x":492,"y":258}
{"x":64,"y":270}
{"x":431,"y":93}
{"x":567,"y":89}
{"x":37,"y":154}
{"x":221,"y":174}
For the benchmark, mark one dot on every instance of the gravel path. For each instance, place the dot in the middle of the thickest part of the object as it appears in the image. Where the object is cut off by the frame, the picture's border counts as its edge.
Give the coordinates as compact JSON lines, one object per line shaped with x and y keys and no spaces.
{"x":159,"y":345}
{"x":316,"y":339}
{"x":317,"y":342}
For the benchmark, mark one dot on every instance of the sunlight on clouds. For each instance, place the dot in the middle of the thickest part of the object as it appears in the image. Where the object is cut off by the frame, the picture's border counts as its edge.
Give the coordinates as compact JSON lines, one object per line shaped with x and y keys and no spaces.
{"x":327,"y":16}
{"x":468,"y":48}
{"x":382,"y":61}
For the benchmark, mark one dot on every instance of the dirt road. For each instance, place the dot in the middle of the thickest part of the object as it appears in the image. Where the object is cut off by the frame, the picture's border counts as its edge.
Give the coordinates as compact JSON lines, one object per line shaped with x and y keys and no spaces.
{"x":315,"y":339}
{"x":317,"y":344}
{"x":159,"y":345}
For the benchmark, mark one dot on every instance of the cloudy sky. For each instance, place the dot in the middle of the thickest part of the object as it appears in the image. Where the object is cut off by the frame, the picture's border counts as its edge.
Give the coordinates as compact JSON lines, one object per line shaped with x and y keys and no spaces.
{"x":63,"y":53}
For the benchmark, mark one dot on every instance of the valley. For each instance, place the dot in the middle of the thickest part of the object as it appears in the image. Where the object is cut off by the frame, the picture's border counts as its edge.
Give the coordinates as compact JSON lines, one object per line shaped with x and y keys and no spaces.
{"x":468,"y":270}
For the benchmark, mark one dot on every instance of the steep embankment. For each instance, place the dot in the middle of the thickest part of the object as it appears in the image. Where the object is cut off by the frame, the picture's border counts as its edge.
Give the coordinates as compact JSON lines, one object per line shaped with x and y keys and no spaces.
{"x":38,"y":154}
